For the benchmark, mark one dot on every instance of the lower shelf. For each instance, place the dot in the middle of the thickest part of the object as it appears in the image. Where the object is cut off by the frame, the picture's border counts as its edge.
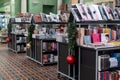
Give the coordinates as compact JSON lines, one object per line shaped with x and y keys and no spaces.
{"x":50,"y":63}
{"x":17,"y":51}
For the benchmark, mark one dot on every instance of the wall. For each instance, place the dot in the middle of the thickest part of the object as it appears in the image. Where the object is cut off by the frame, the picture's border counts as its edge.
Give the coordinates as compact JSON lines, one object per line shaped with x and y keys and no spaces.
{"x":36,"y":6}
{"x":2,"y":9}
{"x":87,"y":1}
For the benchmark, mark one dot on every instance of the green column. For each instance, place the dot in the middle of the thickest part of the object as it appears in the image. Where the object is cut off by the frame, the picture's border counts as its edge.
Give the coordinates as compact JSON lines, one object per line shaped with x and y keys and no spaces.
{"x":15,"y":7}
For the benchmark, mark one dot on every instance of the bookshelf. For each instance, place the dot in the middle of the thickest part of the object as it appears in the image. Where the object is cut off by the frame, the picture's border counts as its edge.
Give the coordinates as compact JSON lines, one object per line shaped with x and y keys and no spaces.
{"x":18,"y":43}
{"x":89,"y":62}
{"x":42,"y":51}
{"x":43,"y":48}
{"x":18,"y":39}
{"x":89,"y":66}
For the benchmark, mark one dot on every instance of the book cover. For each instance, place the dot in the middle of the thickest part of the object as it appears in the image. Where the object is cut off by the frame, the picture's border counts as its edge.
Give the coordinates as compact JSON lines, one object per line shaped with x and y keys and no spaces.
{"x":106,"y":11}
{"x":54,"y":17}
{"x":93,"y":12}
{"x":97,"y":12}
{"x":104,"y":37}
{"x":95,"y":38}
{"x":80,"y":35}
{"x":115,"y":14}
{"x":110,"y":13}
{"x":100,"y":30}
{"x":76,"y":14}
{"x":114,"y":35}
{"x":87,"y":39}
{"x":102,"y":12}
{"x":43,"y":16}
{"x":37,"y":18}
{"x":87,"y":12}
{"x":82,"y":11}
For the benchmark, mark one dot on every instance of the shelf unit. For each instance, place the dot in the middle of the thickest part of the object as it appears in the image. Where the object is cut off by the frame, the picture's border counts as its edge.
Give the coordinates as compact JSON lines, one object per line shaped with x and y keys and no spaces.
{"x":37,"y":54}
{"x":36,"y":51}
{"x":88,"y":58}
{"x":89,"y":61}
{"x":17,"y":45}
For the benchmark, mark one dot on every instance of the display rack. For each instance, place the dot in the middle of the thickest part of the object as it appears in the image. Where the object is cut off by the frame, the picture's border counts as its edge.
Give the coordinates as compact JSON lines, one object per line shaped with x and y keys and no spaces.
{"x":85,"y":56}
{"x":15,"y":44}
{"x":88,"y":58}
{"x":17,"y":47}
{"x":37,"y":54}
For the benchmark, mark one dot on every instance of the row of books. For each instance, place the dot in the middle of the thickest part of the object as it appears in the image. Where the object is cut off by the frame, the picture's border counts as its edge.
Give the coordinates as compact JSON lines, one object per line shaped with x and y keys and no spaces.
{"x":109,"y":75}
{"x":49,"y":58}
{"x":23,"y":17}
{"x":20,"y":48}
{"x":42,"y":17}
{"x":94,"y":12}
{"x":94,"y":35}
{"x":49,"y":46}
{"x":108,"y":61}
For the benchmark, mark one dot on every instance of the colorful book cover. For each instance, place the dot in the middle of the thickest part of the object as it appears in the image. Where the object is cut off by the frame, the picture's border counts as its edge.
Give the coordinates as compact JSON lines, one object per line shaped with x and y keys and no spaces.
{"x":87,"y":39}
{"x":37,"y":18}
{"x":104,"y":37}
{"x":95,"y":38}
{"x":114,"y":35}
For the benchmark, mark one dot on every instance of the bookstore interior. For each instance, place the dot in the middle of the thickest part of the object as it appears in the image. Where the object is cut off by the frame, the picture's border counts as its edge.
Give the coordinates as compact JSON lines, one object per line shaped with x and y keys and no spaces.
{"x":46,"y":40}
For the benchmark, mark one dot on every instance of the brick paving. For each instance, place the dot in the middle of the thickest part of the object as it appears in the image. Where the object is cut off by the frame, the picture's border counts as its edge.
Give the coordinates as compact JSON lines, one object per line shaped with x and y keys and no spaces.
{"x":18,"y":67}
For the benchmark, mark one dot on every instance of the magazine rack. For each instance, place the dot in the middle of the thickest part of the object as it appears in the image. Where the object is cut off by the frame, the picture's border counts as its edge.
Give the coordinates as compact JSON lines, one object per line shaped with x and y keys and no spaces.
{"x":13,"y":44}
{"x":86,"y":67}
{"x":36,"y":52}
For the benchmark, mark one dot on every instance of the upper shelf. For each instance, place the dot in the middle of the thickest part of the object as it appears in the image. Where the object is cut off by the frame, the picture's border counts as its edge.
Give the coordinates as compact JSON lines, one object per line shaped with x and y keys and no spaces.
{"x":20,"y":22}
{"x":51,"y":23}
{"x":108,"y":22}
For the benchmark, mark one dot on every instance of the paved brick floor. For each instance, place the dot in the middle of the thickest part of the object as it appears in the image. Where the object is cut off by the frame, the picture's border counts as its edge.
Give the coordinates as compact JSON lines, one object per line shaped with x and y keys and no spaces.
{"x":18,"y":67}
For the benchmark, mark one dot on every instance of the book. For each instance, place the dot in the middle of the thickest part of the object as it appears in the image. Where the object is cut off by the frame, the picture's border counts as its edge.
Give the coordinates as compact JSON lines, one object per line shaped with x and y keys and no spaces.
{"x":37,"y":18}
{"x":87,"y":12}
{"x":65,"y":17}
{"x":104,"y":37}
{"x":76,"y":14}
{"x":95,"y":38}
{"x":96,"y":12}
{"x":102,"y":12}
{"x":48,"y":18}
{"x":87,"y":39}
{"x":44,"y":18}
{"x":54,"y":17}
{"x":110,"y":13}
{"x":114,"y":35}
{"x":106,"y":11}
{"x":115,"y":14}
{"x":17,"y":19}
{"x":82,"y":11}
